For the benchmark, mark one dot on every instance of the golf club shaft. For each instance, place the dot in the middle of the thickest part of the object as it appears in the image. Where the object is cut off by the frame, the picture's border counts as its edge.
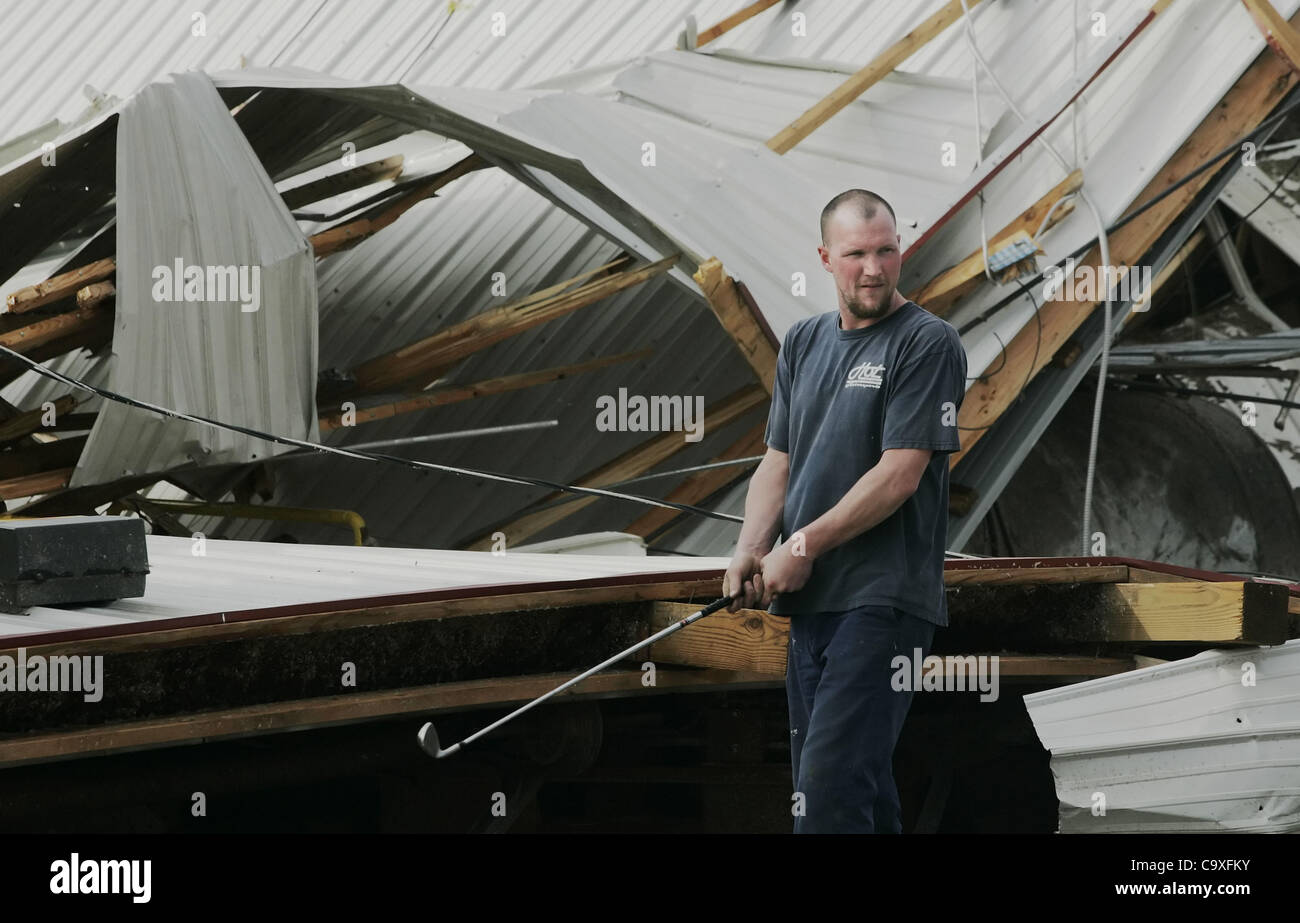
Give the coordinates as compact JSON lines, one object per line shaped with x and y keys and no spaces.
{"x":676,"y":626}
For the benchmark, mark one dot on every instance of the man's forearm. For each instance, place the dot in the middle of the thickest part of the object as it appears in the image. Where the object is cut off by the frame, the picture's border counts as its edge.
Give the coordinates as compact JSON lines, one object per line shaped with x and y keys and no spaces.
{"x":764,"y":503}
{"x":873,"y":499}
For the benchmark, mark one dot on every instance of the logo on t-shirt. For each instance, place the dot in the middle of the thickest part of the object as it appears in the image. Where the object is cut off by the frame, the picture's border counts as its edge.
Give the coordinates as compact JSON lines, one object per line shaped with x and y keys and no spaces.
{"x":866,"y":375}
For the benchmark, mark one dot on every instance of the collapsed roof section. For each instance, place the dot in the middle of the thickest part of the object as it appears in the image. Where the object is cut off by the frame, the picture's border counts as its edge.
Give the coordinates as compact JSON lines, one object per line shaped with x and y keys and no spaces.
{"x":214,"y":281}
{"x":585,"y":151}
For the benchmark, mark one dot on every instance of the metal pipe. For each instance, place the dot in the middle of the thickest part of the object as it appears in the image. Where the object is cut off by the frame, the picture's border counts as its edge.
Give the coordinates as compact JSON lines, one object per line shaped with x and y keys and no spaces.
{"x":1231,"y":260}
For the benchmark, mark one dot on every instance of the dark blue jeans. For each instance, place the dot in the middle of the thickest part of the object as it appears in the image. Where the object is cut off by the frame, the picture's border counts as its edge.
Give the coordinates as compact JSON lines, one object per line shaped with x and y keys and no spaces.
{"x":845,"y":716}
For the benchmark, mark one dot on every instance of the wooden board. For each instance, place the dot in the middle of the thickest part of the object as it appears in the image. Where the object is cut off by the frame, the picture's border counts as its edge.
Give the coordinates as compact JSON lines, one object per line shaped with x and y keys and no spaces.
{"x":744,"y":326}
{"x":861,"y":81}
{"x":1251,"y":98}
{"x":755,"y":641}
{"x":421,"y":702}
{"x":1048,"y":617}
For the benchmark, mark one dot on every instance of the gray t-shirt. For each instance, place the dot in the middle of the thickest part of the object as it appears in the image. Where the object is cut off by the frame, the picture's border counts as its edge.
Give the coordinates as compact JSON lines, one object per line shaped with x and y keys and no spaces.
{"x":841,"y":398}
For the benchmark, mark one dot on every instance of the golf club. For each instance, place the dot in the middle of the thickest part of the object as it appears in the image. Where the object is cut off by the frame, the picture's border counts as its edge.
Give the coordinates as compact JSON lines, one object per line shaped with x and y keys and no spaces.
{"x":429,"y":737}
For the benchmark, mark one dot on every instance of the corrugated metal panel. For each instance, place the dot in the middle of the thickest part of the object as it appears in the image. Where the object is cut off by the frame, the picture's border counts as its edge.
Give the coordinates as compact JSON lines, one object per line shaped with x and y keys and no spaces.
{"x":120,"y":47}
{"x":233,"y":577}
{"x":877,"y":142}
{"x":1206,"y":744}
{"x":179,"y":153}
{"x":434,"y":268}
{"x":1174,"y":87}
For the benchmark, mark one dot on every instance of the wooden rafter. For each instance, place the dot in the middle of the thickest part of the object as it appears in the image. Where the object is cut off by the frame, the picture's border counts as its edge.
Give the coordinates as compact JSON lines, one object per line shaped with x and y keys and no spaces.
{"x":1280,"y":35}
{"x":25,"y":339}
{"x":1037,"y":122}
{"x":866,"y":78}
{"x":29,"y":421}
{"x":740,"y":319}
{"x":453,"y":393}
{"x":347,"y":235}
{"x":732,"y":21}
{"x":61,"y":286}
{"x":418,"y":363}
{"x":702,"y":484}
{"x":1251,"y":98}
{"x":945,"y":289}
{"x":66,"y":284}
{"x":634,"y":462}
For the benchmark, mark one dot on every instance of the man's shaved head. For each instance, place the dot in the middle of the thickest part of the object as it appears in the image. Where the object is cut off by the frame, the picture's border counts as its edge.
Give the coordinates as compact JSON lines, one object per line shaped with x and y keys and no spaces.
{"x":863,"y":202}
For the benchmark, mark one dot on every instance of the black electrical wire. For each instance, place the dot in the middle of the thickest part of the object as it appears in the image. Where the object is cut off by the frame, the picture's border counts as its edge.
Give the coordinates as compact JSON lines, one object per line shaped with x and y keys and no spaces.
{"x":1200,"y":392}
{"x":365,"y":456}
{"x":1029,"y":374}
{"x":987,"y":313}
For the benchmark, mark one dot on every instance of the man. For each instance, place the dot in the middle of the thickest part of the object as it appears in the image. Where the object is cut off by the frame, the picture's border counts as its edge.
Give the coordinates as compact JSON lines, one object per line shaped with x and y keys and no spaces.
{"x":855,"y":479}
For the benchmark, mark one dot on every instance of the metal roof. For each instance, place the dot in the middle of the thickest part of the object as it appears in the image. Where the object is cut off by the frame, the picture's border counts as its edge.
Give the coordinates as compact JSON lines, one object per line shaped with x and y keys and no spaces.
{"x":423,"y":273}
{"x":232,"y":578}
{"x":1206,"y":744}
{"x":181,"y":154}
{"x":65,"y":50}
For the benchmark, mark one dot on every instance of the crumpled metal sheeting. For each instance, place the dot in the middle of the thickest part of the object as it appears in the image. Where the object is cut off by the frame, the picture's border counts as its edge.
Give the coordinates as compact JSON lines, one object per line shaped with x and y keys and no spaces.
{"x":1190,"y":746}
{"x":189,"y":187}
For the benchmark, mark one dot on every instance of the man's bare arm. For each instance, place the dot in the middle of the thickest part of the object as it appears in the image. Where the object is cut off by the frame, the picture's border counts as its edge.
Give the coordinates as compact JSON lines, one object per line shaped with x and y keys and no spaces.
{"x":873,"y":499}
{"x":764,"y":504}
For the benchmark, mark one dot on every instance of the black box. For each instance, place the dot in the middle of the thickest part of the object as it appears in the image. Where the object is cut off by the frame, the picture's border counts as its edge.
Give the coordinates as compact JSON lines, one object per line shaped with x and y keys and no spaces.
{"x":70,"y":559}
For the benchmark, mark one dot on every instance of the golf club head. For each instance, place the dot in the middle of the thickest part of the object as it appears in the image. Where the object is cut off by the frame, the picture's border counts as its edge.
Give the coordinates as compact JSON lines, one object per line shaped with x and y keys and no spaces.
{"x":430,"y":745}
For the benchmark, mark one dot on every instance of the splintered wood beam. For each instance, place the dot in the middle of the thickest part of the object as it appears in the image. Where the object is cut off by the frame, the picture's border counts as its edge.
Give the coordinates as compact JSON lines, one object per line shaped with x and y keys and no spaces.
{"x":756,"y":641}
{"x":945,"y":289}
{"x":454,"y":393}
{"x":66,"y":284}
{"x":702,"y":484}
{"x":866,"y":78}
{"x":30,"y":421}
{"x":746,"y":328}
{"x":329,"y":186}
{"x":732,"y":21}
{"x":97,"y":332}
{"x":1251,"y":98}
{"x":346,"y":235}
{"x":63,"y":285}
{"x":26,"y":339}
{"x":30,"y":485}
{"x":635,"y":461}
{"x":1279,"y":34}
{"x":94,"y":294}
{"x":427,"y":359}
{"x":40,"y":458}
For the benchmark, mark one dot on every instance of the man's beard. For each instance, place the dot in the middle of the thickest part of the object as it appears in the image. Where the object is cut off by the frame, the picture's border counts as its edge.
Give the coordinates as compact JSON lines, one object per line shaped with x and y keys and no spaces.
{"x":866,"y":312}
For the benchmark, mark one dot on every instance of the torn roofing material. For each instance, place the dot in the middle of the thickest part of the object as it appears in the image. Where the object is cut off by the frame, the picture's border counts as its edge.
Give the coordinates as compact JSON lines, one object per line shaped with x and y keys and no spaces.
{"x":214,"y":281}
{"x":1171,"y":95}
{"x":1208,"y":744}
